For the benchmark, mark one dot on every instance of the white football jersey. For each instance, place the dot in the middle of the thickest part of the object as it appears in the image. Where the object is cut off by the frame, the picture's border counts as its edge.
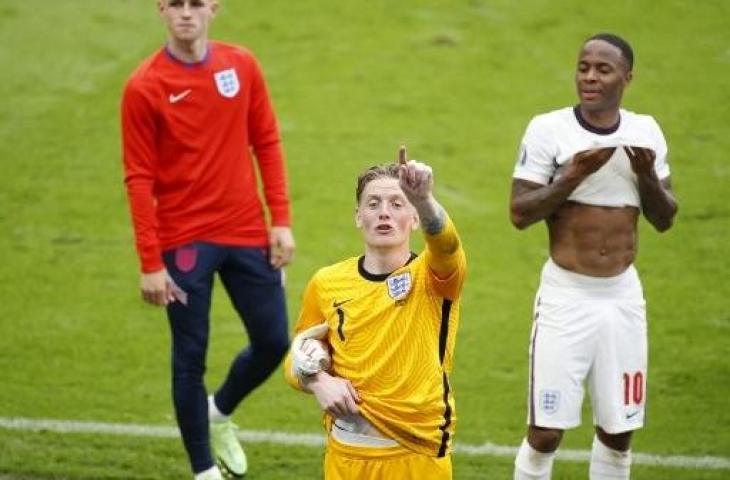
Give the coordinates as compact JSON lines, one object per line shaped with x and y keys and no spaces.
{"x":552,"y":139}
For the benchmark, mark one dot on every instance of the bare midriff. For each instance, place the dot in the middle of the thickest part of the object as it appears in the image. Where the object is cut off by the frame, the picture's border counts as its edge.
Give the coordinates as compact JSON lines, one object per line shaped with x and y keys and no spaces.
{"x":593,"y":240}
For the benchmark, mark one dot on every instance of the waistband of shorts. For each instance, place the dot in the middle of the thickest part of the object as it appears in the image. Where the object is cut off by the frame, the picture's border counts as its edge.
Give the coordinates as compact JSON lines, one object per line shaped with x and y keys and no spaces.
{"x":358,"y":432}
{"x":555,"y":276}
{"x":365,"y":452}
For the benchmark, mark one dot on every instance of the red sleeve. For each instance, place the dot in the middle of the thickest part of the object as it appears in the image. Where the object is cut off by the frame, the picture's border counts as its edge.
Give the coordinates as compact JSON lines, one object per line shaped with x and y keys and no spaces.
{"x":139,"y":133}
{"x":264,"y":137}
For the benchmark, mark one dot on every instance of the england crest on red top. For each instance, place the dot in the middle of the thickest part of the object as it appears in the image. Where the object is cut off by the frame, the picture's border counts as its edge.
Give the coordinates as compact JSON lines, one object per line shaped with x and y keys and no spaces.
{"x":227,"y":82}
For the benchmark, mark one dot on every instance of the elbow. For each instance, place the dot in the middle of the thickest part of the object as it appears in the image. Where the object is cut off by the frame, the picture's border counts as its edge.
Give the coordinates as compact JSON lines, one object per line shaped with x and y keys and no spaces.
{"x":662,"y":227}
{"x":664,"y":224}
{"x":519,"y":219}
{"x":520,"y":225}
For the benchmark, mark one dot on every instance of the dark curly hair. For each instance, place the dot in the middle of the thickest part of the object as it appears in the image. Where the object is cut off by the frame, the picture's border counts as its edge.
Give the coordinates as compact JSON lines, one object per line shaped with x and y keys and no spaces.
{"x":618,"y":42}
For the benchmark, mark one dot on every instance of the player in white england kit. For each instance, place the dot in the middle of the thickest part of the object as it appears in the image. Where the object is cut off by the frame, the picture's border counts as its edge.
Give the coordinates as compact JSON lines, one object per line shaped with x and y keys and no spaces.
{"x":589,"y":171}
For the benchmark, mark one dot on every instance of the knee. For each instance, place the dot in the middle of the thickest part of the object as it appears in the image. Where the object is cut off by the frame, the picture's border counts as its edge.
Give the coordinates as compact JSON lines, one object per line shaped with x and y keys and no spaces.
{"x":618,"y":441}
{"x":188,"y":368}
{"x":272,"y":349}
{"x":544,"y":439}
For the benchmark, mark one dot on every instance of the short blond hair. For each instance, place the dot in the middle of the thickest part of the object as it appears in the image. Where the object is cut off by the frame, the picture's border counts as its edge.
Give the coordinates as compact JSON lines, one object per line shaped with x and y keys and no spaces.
{"x":372,"y":173}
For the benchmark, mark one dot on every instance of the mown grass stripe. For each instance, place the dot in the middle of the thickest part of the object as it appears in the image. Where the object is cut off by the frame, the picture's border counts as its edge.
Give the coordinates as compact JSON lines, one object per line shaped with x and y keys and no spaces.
{"x":316,"y":440}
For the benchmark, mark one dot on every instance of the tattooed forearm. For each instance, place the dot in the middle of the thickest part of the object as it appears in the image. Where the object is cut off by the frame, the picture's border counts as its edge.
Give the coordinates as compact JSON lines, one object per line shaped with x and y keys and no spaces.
{"x":434,"y":224}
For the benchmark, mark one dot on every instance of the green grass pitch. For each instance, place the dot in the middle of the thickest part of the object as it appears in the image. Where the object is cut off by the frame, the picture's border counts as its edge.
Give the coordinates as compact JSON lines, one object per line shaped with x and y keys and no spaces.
{"x":456,"y":81}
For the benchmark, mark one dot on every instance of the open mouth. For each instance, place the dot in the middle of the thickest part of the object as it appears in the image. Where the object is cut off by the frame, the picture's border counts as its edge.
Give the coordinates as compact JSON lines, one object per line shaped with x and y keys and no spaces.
{"x":384,"y":228}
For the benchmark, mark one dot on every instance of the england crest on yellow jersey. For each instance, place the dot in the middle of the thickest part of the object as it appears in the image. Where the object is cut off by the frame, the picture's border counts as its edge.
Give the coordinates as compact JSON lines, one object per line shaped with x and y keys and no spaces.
{"x":399,"y":285}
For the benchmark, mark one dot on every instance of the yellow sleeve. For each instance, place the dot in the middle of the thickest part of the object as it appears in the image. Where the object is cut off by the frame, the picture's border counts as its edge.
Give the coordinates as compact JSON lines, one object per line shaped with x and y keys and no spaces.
{"x":446,"y":260}
{"x":309,"y":315}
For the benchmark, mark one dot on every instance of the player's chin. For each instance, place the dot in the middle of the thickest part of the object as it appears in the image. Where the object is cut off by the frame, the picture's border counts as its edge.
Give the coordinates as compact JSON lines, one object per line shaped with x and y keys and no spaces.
{"x":385,"y":240}
{"x":187,"y":35}
{"x":592,"y":104}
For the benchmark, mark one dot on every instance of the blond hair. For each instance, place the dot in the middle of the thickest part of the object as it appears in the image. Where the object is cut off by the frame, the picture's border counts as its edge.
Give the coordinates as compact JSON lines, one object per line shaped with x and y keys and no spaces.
{"x":372,"y":173}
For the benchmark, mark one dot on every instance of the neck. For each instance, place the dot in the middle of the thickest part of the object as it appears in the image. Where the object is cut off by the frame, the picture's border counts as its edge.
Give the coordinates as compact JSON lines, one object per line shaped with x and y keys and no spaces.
{"x":189,"y":52}
{"x":385,"y":260}
{"x":600,"y":118}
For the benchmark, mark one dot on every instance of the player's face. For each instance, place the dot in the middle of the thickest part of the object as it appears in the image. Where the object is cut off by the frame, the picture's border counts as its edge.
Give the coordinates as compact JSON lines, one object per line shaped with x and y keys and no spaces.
{"x":187,"y":20}
{"x":601,"y":76}
{"x":384,"y":215}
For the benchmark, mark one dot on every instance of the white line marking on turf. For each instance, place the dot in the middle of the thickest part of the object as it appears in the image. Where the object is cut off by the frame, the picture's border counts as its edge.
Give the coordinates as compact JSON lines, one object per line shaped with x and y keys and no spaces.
{"x":317,"y":440}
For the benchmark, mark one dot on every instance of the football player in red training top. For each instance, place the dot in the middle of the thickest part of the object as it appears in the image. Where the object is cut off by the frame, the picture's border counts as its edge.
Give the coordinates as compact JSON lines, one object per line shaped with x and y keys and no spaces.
{"x":195,"y":115}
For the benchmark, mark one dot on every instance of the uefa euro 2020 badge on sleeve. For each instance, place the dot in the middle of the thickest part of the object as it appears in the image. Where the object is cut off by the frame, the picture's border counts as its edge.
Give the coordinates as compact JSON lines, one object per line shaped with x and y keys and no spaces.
{"x":399,"y":286}
{"x":227,"y":82}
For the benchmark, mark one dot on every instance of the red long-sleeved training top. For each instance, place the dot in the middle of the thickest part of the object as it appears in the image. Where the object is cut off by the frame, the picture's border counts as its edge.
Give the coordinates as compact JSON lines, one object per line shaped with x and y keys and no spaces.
{"x":187,"y":134}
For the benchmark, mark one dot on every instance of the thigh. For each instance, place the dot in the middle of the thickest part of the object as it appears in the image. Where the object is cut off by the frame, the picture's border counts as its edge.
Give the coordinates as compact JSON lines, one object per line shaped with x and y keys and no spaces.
{"x":422,"y":467}
{"x":191,"y":269}
{"x":561,"y":352}
{"x":618,"y":378}
{"x":256,"y":291}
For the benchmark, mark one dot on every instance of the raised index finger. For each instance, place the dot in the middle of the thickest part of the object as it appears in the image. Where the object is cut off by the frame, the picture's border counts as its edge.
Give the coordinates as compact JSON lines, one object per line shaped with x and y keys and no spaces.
{"x":402,"y":157}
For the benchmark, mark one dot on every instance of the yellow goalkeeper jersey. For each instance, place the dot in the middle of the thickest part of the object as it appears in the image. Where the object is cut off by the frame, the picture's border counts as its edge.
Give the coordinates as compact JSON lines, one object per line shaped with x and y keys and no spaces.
{"x":393,"y":337}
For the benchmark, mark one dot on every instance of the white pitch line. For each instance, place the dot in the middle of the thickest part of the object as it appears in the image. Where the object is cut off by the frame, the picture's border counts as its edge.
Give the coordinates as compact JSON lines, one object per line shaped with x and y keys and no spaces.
{"x":317,"y":440}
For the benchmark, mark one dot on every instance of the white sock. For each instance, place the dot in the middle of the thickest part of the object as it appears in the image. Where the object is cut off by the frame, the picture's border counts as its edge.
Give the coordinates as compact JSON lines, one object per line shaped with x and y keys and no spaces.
{"x":531,"y":464}
{"x":211,"y":474}
{"x":609,"y":464}
{"x":214,"y":414}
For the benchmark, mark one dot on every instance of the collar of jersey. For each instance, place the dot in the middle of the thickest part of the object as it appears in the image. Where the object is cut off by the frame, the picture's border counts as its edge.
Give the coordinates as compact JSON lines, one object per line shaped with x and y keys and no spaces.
{"x":377,"y":277}
{"x":597,"y":130}
{"x":182,"y":63}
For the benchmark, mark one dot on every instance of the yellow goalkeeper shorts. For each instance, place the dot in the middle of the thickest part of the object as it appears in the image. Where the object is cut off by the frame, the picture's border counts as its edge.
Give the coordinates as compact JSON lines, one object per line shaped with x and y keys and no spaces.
{"x":347,"y":462}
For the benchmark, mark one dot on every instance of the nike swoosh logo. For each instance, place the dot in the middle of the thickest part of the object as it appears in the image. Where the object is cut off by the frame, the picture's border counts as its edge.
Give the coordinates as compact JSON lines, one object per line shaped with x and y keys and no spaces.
{"x":179,"y":96}
{"x":337,"y":304}
{"x":632,"y":414}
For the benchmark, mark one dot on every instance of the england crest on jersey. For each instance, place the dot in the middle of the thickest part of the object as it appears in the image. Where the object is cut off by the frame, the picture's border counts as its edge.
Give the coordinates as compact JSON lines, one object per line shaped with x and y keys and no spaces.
{"x":399,"y":285}
{"x":227,"y":82}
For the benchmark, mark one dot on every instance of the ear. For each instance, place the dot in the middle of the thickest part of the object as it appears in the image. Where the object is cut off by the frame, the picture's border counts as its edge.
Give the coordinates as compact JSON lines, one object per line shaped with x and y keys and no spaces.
{"x":214,"y":7}
{"x":358,"y":220}
{"x":160,"y":6}
{"x":628,"y":77}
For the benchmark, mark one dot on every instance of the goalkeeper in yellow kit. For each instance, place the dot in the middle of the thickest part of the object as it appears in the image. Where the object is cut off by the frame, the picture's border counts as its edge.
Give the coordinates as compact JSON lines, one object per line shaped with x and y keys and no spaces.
{"x":375,"y":337}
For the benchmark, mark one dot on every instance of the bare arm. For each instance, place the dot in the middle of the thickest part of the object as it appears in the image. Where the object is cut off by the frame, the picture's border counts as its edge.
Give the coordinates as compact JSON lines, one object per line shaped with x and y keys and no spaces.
{"x":431,"y":215}
{"x":657,"y":201}
{"x":532,"y":202}
{"x":416,"y":181}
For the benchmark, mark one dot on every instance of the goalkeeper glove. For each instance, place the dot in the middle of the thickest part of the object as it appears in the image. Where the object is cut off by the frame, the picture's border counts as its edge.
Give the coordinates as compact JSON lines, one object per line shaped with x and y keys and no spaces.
{"x":309,"y":354}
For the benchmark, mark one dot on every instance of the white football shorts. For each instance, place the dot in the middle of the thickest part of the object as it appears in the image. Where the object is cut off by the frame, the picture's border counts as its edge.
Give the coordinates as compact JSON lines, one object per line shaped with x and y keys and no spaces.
{"x":588,"y":330}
